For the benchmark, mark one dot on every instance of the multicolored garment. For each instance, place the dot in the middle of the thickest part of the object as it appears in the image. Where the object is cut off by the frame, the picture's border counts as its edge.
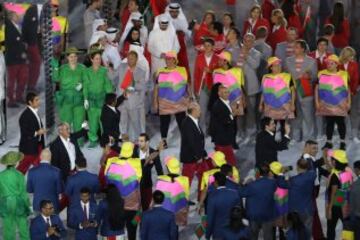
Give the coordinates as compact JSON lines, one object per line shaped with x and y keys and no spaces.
{"x":176,"y":196}
{"x":281,"y":197}
{"x":60,"y":26}
{"x":233,"y":79}
{"x":125,"y":174}
{"x":172,"y":94}
{"x":333,"y":92}
{"x":342,"y":195}
{"x":277,"y":96}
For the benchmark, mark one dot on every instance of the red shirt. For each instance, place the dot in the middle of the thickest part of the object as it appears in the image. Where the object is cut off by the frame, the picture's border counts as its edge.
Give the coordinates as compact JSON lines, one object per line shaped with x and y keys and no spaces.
{"x":267,"y":7}
{"x":321,"y":64}
{"x":200,"y":64}
{"x":259,"y":23}
{"x":202,"y":32}
{"x":276,"y":37}
{"x":341,"y":39}
{"x":353,"y":71}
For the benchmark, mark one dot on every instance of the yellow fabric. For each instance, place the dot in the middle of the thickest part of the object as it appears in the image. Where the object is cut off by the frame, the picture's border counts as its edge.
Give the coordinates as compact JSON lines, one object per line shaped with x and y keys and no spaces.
{"x":276,"y":167}
{"x":236,"y":175}
{"x":127,"y":149}
{"x":339,"y":155}
{"x":173,"y":165}
{"x":2,"y":38}
{"x":178,"y":69}
{"x":206,"y":176}
{"x":333,"y":58}
{"x":343,"y":74}
{"x":64,"y":23}
{"x":272,"y":60}
{"x":218,"y":158}
{"x":235,"y":71}
{"x":182,"y":180}
{"x":347,"y":235}
{"x":135,"y":163}
{"x":225,"y":55}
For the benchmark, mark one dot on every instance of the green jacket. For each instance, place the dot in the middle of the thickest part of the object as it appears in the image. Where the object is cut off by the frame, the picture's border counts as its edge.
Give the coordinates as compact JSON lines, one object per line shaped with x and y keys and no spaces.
{"x":96,"y":86}
{"x":14,"y":200}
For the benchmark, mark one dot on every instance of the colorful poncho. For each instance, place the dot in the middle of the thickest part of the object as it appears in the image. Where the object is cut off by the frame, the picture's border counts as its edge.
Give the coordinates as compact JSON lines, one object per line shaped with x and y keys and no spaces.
{"x":333,"y":92}
{"x":60,"y":26}
{"x":125,"y":174}
{"x":281,"y":197}
{"x":172,"y":94}
{"x":176,"y":196}
{"x":342,"y":195}
{"x":277,"y":96}
{"x":233,"y":79}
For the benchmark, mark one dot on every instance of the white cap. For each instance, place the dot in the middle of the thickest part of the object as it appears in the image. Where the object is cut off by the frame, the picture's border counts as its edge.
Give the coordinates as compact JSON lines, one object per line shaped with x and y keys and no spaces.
{"x":111,"y":33}
{"x":97,"y":23}
{"x":163,"y":19}
{"x":97,"y":36}
{"x":174,"y":6}
{"x":136,"y":16}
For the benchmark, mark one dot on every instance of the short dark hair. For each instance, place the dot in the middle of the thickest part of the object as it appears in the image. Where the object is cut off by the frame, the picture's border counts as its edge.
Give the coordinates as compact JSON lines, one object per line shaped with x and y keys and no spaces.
{"x":302,"y":43}
{"x":322,"y":39}
{"x":110,"y":98}
{"x":220,"y":178}
{"x":134,"y":53}
{"x":226,"y":169}
{"x":311,"y":142}
{"x":264,"y":169}
{"x":81,"y":162}
{"x":45,"y":202}
{"x":30,"y":96}
{"x":265,"y":121}
{"x":85,"y":190}
{"x":209,"y":40}
{"x":329,"y":29}
{"x":357,"y":164}
{"x":302,"y":164}
{"x":261,"y":32}
{"x":145,"y":135}
{"x":158,"y":197}
{"x":218,"y":26}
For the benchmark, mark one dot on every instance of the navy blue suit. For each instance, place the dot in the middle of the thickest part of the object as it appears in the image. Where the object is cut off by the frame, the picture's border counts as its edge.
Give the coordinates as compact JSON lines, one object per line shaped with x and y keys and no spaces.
{"x":39,"y":227}
{"x":76,"y":216}
{"x":260,"y":204}
{"x":103,"y":216}
{"x":158,"y":223}
{"x":229,"y":234}
{"x":79,"y":180}
{"x":46,"y":183}
{"x":218,"y":209}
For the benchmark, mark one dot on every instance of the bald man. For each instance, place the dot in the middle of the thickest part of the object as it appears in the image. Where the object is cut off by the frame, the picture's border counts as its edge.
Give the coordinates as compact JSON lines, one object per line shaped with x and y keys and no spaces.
{"x":45,"y":182}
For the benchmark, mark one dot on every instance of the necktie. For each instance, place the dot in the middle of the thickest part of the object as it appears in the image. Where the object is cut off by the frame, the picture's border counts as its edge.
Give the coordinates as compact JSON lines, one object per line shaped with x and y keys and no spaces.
{"x":85,"y":212}
{"x":48,"y":221}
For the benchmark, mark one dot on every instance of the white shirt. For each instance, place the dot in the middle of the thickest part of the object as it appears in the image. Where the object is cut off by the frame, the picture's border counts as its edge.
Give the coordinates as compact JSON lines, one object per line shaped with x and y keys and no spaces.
{"x":47,"y":219}
{"x":275,"y":28}
{"x":270,"y":132}
{"x":35,"y":111}
{"x":208,"y":59}
{"x":196,"y":121}
{"x":70,"y":148}
{"x":112,"y":108}
{"x":111,"y":54}
{"x":227,"y":103}
{"x":320,"y":56}
{"x":346,"y":65}
{"x":87,"y":205}
{"x":143,"y":155}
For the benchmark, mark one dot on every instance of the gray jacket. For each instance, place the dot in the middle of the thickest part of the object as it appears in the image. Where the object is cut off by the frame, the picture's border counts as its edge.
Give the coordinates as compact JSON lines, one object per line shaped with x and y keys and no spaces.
{"x":355,"y":198}
{"x":280,"y":51}
{"x":266,"y":52}
{"x":309,"y":65}
{"x":252,"y":83}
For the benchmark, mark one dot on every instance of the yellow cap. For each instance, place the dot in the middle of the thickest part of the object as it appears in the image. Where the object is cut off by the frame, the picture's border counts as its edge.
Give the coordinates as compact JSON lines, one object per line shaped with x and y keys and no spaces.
{"x":273,"y":60}
{"x":338,"y":155}
{"x":127,"y":149}
{"x":173,"y":164}
{"x":171,"y":54}
{"x":276,"y":167}
{"x":225,"y":55}
{"x":333,"y":58}
{"x":218,"y":158}
{"x":347,"y":235}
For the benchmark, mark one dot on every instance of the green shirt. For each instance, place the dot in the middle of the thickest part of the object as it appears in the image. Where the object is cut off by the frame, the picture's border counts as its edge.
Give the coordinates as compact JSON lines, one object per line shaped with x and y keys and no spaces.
{"x":69,"y":78}
{"x":97,"y":84}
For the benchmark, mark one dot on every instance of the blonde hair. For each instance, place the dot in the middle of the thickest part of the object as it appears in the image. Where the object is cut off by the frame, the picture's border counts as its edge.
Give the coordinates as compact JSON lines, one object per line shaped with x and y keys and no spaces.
{"x":346,"y":53}
{"x":280,"y":15}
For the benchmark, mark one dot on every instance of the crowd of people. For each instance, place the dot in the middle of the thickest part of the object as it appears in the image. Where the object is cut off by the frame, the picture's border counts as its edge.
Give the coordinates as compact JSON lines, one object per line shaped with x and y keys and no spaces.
{"x":286,"y":73}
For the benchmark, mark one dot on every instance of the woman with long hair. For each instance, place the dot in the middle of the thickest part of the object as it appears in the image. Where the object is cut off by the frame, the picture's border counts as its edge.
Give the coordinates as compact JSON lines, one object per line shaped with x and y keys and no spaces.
{"x":342,"y":27}
{"x":236,"y":228}
{"x":203,"y":30}
{"x":111,"y":214}
{"x":255,"y":21}
{"x":228,"y":22}
{"x":278,"y":31}
{"x":292,"y":16}
{"x":132,"y":37}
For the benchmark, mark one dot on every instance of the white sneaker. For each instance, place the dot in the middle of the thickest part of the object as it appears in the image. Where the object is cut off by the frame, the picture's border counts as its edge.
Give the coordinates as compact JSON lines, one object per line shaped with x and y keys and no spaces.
{"x":356,"y":140}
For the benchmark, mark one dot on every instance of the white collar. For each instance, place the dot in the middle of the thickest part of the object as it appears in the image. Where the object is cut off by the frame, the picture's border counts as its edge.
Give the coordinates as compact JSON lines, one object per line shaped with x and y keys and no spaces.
{"x":227,"y":102}
{"x":35,"y":110}
{"x":271,"y":133}
{"x":112,"y":108}
{"x":221,"y":187}
{"x":64,"y":140}
{"x":84,"y":204}
{"x":157,"y":205}
{"x":45,"y":161}
{"x":196,"y":121}
{"x":306,"y":155}
{"x":318,"y":55}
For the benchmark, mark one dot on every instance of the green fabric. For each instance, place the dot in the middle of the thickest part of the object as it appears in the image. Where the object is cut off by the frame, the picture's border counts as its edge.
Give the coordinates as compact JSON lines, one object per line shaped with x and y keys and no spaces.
{"x":14,"y":199}
{"x":9,"y":225}
{"x":97,"y":85}
{"x":94,"y":123}
{"x":74,"y":115}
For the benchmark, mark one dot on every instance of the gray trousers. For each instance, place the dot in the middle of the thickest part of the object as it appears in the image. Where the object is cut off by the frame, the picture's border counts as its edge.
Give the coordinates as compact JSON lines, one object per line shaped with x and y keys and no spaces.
{"x":132,"y":121}
{"x":204,"y":118}
{"x":303,"y":124}
{"x":266,"y":227}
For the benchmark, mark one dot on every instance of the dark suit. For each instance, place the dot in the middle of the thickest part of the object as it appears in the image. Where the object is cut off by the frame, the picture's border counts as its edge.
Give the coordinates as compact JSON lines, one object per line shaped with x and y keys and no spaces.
{"x":192,"y":146}
{"x":60,"y":157}
{"x":222,"y":126}
{"x":38,"y":228}
{"x":159,"y":224}
{"x":45,"y":182}
{"x":110,"y":121}
{"x":218,"y":209}
{"x":15,"y":46}
{"x":77,"y":216}
{"x":79,"y":180}
{"x":266,"y":148}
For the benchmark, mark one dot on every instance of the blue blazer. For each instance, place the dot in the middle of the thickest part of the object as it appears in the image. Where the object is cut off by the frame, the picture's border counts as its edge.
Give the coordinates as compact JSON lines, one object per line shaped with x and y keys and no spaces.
{"x":260,"y":203}
{"x":45,"y":182}
{"x":103,"y":216}
{"x":228,"y":234}
{"x":158,"y":223}
{"x":79,"y":180}
{"x":76,"y":216}
{"x":38,"y":228}
{"x":218,"y":209}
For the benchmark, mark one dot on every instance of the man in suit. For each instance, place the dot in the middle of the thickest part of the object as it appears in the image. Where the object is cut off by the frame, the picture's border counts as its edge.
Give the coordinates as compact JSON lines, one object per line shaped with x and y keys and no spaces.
{"x":192,"y":147}
{"x":82,"y":217}
{"x":82,"y":178}
{"x":110,"y":119}
{"x":65,"y":150}
{"x":149,"y":157}
{"x":15,"y":58}
{"x":158,"y":223}
{"x":219,"y":206}
{"x":286,"y":49}
{"x":31,"y":133}
{"x":266,"y":147}
{"x":222,"y":125}
{"x":303,"y":70}
{"x":47,"y":225}
{"x":45,"y":182}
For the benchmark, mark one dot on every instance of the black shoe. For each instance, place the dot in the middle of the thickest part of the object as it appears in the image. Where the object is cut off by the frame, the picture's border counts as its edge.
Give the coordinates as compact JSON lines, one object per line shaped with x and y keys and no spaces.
{"x":328,"y":145}
{"x":191,"y":203}
{"x":165,"y":145}
{"x":343,"y":146}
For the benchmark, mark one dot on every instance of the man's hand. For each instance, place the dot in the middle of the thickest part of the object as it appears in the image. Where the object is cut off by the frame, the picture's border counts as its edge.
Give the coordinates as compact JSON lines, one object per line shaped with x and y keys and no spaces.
{"x":51,"y":231}
{"x":86,"y":224}
{"x":41,"y":131}
{"x":78,"y":87}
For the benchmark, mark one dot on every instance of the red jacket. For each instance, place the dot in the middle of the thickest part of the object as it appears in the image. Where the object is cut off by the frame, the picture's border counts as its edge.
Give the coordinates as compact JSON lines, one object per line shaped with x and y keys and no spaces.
{"x":295,"y":21}
{"x":341,"y":39}
{"x":259,"y":23}
{"x":267,"y":7}
{"x":277,"y":37}
{"x":320,"y":65}
{"x":125,"y":18}
{"x":200,"y":64}
{"x":158,"y":6}
{"x":353,"y":71}
{"x":203,"y":31}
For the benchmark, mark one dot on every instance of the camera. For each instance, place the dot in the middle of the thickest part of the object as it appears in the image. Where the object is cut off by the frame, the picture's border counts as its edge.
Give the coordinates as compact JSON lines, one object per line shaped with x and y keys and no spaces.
{"x":192,"y":24}
{"x":288,"y":168}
